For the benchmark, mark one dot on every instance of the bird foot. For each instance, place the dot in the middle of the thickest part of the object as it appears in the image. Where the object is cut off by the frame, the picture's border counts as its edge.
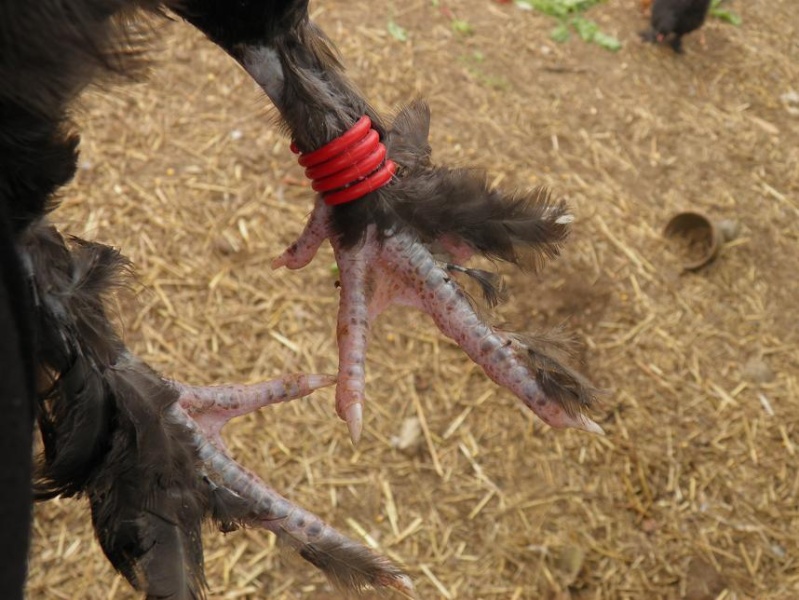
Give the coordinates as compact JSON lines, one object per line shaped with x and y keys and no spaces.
{"x":203,"y":411}
{"x":397,"y":268}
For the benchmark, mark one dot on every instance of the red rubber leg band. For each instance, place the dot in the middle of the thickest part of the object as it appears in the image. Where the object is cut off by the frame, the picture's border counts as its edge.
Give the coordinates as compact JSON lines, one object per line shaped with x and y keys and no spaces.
{"x":350,"y":156}
{"x":356,"y":172}
{"x":334,"y":148}
{"x":370,"y":184}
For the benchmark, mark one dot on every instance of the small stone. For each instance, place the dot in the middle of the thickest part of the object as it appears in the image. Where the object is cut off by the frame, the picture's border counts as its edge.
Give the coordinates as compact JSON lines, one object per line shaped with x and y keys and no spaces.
{"x":421,"y":383}
{"x":729,"y":229}
{"x":409,"y":440}
{"x":650,"y":525}
{"x":570,"y":562}
{"x":790,"y":100}
{"x":702,"y":581}
{"x":757,"y":371}
{"x":225,"y":246}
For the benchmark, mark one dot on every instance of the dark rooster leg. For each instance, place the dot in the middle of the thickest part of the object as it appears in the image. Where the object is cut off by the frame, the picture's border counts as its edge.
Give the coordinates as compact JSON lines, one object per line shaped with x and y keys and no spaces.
{"x":384,"y":242}
{"x":204,"y":411}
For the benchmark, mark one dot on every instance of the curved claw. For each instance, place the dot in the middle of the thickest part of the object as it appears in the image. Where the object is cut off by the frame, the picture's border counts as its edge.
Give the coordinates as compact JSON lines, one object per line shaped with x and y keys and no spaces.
{"x":353,"y":335}
{"x":353,"y":415}
{"x":560,"y":419}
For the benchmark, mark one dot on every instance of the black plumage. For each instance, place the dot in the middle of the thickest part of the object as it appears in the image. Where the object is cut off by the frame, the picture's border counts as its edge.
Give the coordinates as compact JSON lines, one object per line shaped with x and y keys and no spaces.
{"x":147,"y":498}
{"x":94,"y":416}
{"x":17,"y":383}
{"x":106,"y":432}
{"x":672,"y":19}
{"x":49,"y":51}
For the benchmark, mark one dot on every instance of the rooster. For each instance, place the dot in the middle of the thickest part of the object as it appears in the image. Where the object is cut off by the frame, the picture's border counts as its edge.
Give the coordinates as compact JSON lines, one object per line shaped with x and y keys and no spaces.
{"x":672,"y":19}
{"x":146,"y":451}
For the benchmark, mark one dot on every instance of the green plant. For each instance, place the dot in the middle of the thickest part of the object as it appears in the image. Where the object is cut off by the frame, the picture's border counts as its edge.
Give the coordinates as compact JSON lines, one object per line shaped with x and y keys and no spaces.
{"x":723,"y":14}
{"x":570,"y":15}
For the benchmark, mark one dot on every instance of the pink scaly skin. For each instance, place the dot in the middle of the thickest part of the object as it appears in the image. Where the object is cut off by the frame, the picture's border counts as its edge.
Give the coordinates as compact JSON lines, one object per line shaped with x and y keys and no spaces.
{"x":211,"y":407}
{"x":204,"y":411}
{"x":403,"y":271}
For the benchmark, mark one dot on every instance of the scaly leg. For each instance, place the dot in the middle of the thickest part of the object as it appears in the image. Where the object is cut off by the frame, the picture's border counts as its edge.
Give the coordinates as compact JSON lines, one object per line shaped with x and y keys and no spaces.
{"x":204,"y":411}
{"x":401,"y":270}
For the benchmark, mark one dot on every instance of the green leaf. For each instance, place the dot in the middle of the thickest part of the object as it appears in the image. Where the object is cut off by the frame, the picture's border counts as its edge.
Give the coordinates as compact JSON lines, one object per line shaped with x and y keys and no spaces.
{"x":558,"y":8}
{"x":608,"y":42}
{"x":561,"y":33}
{"x":397,"y":31}
{"x":726,"y":15}
{"x":461,"y":26}
{"x":586,"y":28}
{"x":570,"y":12}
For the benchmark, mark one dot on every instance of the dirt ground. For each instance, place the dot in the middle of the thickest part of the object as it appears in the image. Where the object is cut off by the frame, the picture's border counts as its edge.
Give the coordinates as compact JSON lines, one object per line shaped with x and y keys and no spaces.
{"x":693,"y":493}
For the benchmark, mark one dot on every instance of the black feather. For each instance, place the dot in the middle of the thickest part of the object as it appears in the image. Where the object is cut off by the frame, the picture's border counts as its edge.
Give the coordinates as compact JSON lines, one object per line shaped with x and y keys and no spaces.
{"x":522,"y":228}
{"x":52,"y":49}
{"x":547,"y":357}
{"x":350,"y":566}
{"x":76,"y":342}
{"x":105,"y":425}
{"x":49,"y":51}
{"x":148,"y":499}
{"x":245,"y":22}
{"x":407,"y":140}
{"x":491,"y":284}
{"x":228,"y":510}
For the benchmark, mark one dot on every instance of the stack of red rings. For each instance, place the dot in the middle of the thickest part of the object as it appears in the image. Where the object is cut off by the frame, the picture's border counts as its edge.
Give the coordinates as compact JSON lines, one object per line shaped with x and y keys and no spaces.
{"x":350,"y":166}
